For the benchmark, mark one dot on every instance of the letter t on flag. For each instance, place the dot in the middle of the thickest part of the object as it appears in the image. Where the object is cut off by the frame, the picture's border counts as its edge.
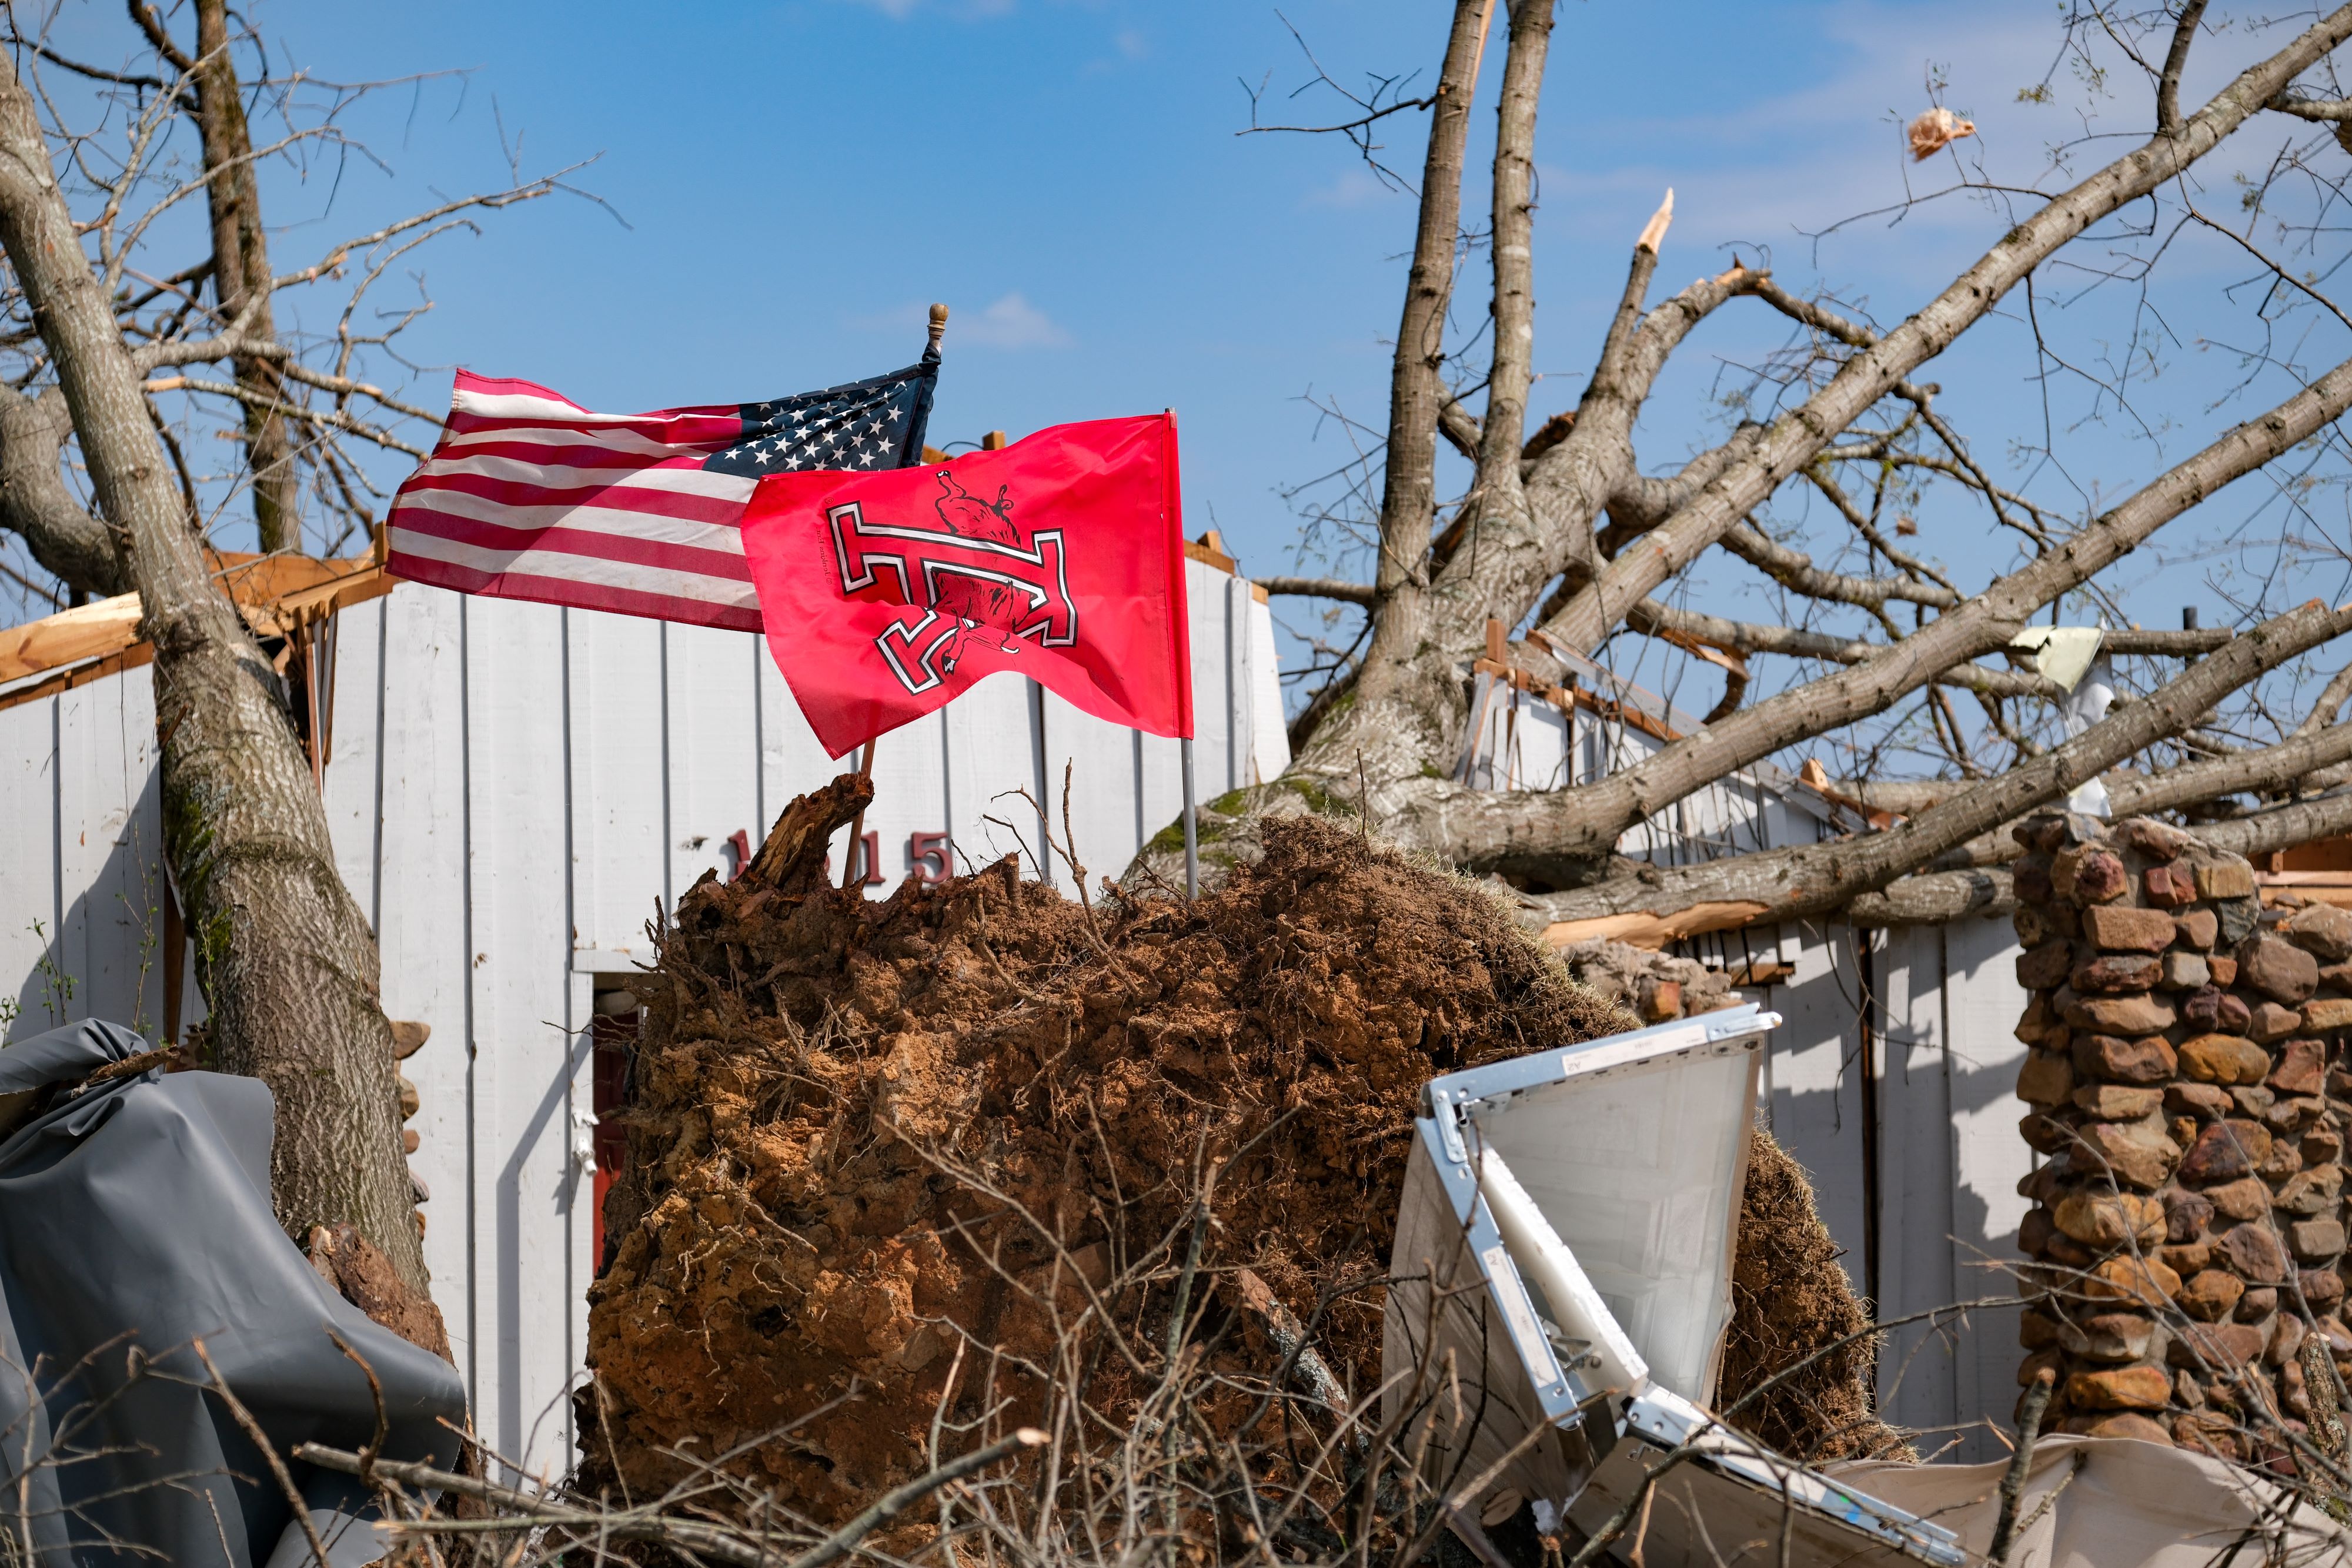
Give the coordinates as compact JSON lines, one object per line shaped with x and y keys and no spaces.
{"x":886,"y":594}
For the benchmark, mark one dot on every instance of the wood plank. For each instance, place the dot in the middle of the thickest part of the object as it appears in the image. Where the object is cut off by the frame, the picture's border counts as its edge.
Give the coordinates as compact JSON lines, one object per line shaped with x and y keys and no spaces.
{"x":1655,"y":931}
{"x":991,"y":752}
{"x":1103,"y":787}
{"x":620,"y":859}
{"x":1915,"y":1222}
{"x":260,"y":585}
{"x":109,"y":853}
{"x":528,"y":1197}
{"x":712,"y":750}
{"x":421,"y":924}
{"x":1816,"y":1104}
{"x":28,"y":861}
{"x":1982,"y":1002}
{"x":1269,"y":730}
{"x":84,"y":632}
{"x":350,"y":791}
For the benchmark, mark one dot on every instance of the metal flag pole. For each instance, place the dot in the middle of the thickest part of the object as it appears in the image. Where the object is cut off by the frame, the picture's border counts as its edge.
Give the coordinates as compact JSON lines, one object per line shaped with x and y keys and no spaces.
{"x":852,"y":874}
{"x":1191,"y":829}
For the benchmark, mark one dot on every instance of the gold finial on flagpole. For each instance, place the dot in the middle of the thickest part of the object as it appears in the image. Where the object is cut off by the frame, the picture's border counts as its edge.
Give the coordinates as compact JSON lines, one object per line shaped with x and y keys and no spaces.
{"x":938,"y":325}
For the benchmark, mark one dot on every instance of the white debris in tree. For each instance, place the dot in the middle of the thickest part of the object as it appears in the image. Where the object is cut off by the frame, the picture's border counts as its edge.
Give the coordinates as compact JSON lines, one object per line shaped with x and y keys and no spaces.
{"x":1937,"y":129}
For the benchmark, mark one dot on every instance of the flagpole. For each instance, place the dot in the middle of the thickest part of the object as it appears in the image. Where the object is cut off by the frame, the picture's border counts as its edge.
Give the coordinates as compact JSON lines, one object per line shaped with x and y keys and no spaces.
{"x":1191,"y":829}
{"x":852,"y":874}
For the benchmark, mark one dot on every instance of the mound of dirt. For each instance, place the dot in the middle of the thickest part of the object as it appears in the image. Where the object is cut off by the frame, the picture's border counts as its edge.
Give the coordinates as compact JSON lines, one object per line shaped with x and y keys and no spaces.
{"x":862,"y":1131}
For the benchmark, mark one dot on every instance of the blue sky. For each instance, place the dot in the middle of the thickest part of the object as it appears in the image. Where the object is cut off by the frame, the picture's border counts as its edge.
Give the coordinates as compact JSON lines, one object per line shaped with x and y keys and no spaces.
{"x":798,"y":179}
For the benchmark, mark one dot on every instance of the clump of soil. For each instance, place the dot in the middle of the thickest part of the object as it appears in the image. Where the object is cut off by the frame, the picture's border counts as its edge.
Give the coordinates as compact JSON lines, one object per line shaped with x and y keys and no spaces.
{"x":862,"y":1131}
{"x":1790,"y":1299}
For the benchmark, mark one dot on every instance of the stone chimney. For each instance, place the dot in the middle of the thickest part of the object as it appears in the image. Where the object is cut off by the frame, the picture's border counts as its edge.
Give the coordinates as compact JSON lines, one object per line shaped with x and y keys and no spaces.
{"x":2186,"y":1093}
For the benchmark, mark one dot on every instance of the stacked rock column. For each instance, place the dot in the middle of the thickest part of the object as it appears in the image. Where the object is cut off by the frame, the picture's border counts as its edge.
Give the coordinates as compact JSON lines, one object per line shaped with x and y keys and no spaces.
{"x":2187,"y":1232}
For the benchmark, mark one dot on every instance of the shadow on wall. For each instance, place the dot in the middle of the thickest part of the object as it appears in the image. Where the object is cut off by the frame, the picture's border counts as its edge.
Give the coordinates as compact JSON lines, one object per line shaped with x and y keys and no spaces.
{"x":1947,"y":1158}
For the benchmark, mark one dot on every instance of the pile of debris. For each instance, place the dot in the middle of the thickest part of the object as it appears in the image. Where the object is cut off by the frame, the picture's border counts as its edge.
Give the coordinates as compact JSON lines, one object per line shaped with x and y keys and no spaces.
{"x":2187,"y":1086}
{"x":1655,"y":986}
{"x":882,"y":1155}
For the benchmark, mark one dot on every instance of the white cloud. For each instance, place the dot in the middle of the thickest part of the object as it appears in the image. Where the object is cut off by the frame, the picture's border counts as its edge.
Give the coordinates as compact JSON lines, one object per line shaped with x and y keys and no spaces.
{"x":1011,"y":322}
{"x":1354,"y":186}
{"x":1008,"y":322}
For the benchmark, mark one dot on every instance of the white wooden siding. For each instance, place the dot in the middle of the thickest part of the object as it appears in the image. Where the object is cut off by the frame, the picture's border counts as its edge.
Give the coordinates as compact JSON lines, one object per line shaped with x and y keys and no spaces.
{"x":1942,"y":1054}
{"x":515,"y":791}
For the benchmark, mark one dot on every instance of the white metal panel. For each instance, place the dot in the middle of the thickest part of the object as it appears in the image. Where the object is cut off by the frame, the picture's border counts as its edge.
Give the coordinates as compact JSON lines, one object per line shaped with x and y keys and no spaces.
{"x":713,"y":748}
{"x":1237,"y":701}
{"x":422,"y":929}
{"x":1915,"y":1370}
{"x":498,"y":797}
{"x":991,"y":753}
{"x":1270,"y":737}
{"x":1214,"y":762}
{"x":910,"y":798}
{"x":1982,"y":1002}
{"x":1816,"y":1099}
{"x":350,"y":790}
{"x":791,"y":762}
{"x":1100,"y":763}
{"x":110,"y":851}
{"x":529,"y":1194}
{"x":619,"y":779}
{"x":29,"y":898}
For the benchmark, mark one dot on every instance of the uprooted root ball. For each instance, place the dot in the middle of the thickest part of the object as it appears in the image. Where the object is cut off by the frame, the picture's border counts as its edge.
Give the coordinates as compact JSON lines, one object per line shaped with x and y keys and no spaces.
{"x":1794,"y":1312}
{"x":901,"y":1146}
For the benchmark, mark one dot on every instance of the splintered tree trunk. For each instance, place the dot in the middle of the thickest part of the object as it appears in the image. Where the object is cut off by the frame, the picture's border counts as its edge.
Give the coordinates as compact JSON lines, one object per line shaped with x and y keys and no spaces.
{"x":287,"y":963}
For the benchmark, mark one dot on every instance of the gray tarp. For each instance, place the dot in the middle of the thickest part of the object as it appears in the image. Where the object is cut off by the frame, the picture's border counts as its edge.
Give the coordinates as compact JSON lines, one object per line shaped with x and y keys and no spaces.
{"x":135,"y":1219}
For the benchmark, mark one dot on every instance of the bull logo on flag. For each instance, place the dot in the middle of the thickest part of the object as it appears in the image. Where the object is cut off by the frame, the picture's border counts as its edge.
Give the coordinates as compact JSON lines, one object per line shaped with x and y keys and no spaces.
{"x":968,"y":572}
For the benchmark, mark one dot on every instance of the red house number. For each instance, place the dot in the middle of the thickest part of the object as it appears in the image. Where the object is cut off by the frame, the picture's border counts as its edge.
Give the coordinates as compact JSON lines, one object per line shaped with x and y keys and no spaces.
{"x":928,"y":854}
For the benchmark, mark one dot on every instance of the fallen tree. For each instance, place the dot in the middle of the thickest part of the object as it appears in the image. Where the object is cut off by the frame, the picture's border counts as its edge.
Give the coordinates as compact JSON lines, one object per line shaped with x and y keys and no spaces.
{"x":1562,"y":536}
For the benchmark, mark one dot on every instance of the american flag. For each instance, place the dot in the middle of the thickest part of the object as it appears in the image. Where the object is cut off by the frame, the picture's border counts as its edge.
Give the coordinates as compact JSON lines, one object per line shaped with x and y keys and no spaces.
{"x":530,"y":495}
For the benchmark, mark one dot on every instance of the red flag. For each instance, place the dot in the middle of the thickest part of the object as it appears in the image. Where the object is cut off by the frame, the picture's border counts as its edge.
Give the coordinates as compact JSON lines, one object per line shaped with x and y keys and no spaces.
{"x":1060,"y":557}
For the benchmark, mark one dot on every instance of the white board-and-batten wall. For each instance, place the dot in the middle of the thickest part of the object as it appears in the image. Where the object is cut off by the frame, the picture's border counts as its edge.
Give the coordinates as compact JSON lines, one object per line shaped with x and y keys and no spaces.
{"x":514,"y":790}
{"x":1903,"y":1112}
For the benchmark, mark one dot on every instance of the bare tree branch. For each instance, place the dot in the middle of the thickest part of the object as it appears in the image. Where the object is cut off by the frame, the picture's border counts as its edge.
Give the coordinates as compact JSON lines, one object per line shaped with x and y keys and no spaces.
{"x":1873,"y":372}
{"x":2168,"y":87}
{"x":1320,"y":588}
{"x":1587,"y":821}
{"x":1815,"y":878}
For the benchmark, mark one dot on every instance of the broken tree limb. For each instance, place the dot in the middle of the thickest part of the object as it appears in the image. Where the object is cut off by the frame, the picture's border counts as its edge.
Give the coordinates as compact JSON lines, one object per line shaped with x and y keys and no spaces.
{"x":1794,"y":569}
{"x":1668,"y":622}
{"x":1544,"y":831}
{"x":1934,"y":898}
{"x":2283,"y":827}
{"x":2020,"y":1463}
{"x":1669,"y":902}
{"x":737,"y":1547}
{"x":1322,"y":588}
